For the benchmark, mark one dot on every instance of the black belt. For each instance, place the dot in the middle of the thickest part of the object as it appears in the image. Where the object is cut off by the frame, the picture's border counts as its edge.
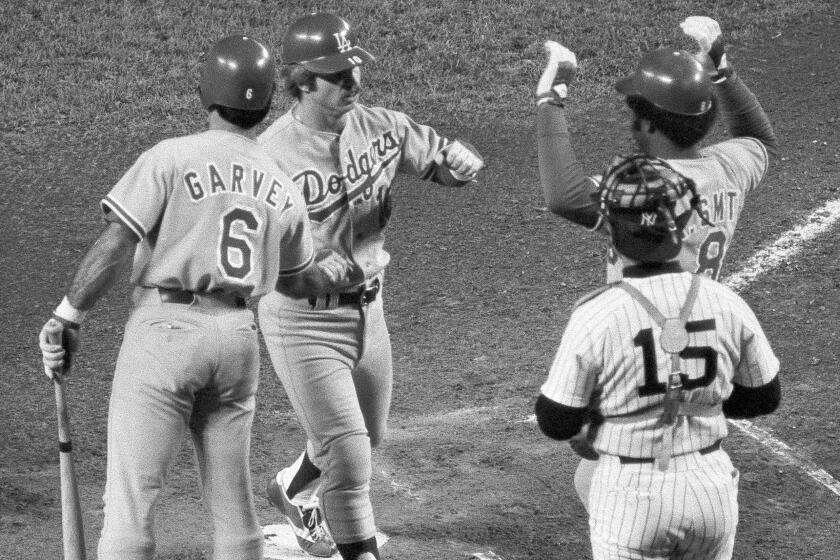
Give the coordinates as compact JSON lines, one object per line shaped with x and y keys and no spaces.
{"x":361,"y":297}
{"x":171,"y":295}
{"x":635,"y":460}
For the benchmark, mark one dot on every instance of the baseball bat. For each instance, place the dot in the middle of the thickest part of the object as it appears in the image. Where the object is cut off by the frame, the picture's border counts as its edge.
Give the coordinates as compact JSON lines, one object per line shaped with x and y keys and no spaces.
{"x":73,"y":531}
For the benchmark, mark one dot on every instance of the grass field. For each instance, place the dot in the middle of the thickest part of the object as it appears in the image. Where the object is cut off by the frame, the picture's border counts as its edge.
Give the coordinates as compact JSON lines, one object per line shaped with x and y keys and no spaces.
{"x":481,"y":280}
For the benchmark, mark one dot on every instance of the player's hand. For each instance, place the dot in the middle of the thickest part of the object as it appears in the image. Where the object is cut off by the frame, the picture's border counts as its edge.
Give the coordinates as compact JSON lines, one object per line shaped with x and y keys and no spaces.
{"x":335,"y":267}
{"x":463,"y":162}
{"x":559,"y":71}
{"x":582,"y":445}
{"x":58,"y":344}
{"x":707,"y":33}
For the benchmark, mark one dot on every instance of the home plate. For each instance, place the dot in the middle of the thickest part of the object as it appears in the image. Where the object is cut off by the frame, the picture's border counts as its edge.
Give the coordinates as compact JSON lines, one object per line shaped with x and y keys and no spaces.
{"x":281,"y":544}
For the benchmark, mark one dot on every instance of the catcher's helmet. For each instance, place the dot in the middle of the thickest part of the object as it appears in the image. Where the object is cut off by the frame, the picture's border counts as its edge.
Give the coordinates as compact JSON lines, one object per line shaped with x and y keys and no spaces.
{"x":646,"y":204}
{"x":237,"y":73}
{"x":324,"y":44}
{"x":673,"y":80}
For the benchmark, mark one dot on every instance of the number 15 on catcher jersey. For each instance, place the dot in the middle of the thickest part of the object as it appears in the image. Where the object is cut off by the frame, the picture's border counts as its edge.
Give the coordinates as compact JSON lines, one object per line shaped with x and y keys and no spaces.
{"x":610,"y":360}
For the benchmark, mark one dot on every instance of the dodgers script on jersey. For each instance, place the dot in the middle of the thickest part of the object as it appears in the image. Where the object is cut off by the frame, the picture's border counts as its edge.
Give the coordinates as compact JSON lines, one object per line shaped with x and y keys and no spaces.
{"x":346,"y":178}
{"x":609,"y":359}
{"x":172,"y":199}
{"x":723,"y":175}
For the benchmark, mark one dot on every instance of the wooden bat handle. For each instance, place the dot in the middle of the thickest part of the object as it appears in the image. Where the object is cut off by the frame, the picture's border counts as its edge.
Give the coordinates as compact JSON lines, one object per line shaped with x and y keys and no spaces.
{"x":73,"y":533}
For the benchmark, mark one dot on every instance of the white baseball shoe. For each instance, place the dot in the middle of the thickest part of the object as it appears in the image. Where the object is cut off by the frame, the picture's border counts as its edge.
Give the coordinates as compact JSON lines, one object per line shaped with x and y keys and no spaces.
{"x":306,"y":520}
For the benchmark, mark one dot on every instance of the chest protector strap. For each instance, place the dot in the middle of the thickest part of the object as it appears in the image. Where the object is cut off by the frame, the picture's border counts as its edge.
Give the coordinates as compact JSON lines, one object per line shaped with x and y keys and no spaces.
{"x":673,"y":339}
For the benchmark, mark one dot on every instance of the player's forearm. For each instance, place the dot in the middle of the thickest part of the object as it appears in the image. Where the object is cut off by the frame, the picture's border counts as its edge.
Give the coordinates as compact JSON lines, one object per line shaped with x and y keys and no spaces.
{"x":744,"y":114}
{"x":101,"y":266}
{"x":565,"y":186}
{"x":749,"y":402}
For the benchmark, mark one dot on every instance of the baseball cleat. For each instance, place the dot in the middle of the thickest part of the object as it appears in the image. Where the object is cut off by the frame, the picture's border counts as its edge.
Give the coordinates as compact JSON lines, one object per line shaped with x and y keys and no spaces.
{"x":306,"y":521}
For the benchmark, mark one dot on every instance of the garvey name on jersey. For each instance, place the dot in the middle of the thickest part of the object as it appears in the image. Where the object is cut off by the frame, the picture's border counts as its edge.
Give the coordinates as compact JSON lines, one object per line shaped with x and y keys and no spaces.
{"x":239,"y":180}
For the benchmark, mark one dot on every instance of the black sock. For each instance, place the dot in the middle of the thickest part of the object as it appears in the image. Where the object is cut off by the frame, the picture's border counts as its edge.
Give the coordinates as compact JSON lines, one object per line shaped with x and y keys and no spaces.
{"x":305,"y":474}
{"x":351,"y":551}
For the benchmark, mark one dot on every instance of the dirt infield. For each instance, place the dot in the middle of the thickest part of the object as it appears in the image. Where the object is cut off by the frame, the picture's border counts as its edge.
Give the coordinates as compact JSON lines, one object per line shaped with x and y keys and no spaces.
{"x":481,"y":282}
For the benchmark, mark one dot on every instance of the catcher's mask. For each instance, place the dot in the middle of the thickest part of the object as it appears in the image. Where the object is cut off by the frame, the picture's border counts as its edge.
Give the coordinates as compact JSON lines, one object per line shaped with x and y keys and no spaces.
{"x":646,"y":205}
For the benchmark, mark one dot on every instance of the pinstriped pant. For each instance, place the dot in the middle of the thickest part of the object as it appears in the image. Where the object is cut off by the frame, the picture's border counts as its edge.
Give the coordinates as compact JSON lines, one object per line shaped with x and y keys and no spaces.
{"x":689,"y":512}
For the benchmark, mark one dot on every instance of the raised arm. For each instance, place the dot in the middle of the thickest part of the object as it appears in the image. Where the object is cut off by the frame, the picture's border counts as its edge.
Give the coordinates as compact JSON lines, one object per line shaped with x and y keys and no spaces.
{"x":566,"y":187}
{"x":743,"y":113}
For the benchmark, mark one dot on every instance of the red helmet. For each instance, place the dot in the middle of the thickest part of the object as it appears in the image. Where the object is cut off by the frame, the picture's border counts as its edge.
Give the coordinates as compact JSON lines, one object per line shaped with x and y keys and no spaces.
{"x":673,"y":80}
{"x":323,"y":43}
{"x":238,"y":73}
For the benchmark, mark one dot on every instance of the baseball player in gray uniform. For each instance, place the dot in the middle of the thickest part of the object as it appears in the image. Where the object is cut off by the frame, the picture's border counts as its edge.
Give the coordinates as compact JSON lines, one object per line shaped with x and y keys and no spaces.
{"x":210,"y":220}
{"x":674,"y":97}
{"x":331,"y":349}
{"x":658,"y":360}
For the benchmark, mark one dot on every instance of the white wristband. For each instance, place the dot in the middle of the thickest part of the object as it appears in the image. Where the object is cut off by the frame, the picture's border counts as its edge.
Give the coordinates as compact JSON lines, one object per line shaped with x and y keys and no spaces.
{"x":66,"y":311}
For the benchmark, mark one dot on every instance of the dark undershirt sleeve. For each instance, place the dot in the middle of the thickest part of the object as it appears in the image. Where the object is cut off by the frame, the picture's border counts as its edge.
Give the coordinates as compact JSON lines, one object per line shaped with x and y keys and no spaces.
{"x":744,"y":115}
{"x":749,"y":402}
{"x":566,"y":188}
{"x":559,"y":421}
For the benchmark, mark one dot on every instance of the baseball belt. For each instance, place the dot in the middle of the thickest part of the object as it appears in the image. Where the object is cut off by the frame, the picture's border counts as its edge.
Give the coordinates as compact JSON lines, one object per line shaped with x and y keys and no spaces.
{"x":360,"y":297}
{"x":201,"y":300}
{"x":636,"y":460}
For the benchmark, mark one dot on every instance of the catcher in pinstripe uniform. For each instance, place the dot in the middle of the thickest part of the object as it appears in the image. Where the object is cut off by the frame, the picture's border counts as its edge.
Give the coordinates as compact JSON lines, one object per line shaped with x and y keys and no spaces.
{"x":656,"y":362}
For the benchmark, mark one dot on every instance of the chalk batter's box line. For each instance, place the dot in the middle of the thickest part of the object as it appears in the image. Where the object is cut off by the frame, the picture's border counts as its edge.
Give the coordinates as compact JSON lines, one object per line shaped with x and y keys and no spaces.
{"x":785,"y":452}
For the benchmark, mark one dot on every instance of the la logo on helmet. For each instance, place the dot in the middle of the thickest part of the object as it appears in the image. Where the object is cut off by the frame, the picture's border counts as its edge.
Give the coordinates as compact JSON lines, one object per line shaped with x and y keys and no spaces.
{"x":343,"y":42}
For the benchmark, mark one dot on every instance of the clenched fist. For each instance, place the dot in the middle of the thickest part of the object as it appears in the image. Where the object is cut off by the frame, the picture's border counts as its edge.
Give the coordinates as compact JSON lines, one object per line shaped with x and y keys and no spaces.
{"x":559,"y":71}
{"x":460,"y":160}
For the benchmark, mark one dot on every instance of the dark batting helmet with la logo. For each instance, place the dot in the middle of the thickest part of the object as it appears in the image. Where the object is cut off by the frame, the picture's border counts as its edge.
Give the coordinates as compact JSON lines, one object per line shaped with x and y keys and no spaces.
{"x":324,"y":44}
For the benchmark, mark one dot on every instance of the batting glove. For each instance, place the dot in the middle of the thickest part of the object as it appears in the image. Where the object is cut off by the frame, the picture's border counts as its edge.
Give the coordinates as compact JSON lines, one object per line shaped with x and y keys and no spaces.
{"x":462,"y":162}
{"x":559,"y":71}
{"x":707,"y":33}
{"x":58,"y":342}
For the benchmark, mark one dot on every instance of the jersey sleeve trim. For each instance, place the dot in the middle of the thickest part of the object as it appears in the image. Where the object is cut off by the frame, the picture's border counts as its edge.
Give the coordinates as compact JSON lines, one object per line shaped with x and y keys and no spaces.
{"x":110,"y":204}
{"x":300,"y":268}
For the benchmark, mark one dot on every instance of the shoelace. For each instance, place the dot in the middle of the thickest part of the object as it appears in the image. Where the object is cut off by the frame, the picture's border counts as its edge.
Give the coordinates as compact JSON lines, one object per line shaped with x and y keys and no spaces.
{"x":311,"y":517}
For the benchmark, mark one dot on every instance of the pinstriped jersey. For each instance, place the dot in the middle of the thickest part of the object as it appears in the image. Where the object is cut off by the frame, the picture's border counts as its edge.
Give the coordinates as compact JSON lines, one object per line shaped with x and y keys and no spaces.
{"x":346,"y":178}
{"x":610,"y":360}
{"x":212,"y":212}
{"x":723,"y":175}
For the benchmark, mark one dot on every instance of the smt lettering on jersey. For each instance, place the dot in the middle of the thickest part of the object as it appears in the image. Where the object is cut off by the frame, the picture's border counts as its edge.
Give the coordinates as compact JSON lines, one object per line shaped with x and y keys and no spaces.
{"x":720,"y":206}
{"x":325,"y":194}
{"x":236,"y":180}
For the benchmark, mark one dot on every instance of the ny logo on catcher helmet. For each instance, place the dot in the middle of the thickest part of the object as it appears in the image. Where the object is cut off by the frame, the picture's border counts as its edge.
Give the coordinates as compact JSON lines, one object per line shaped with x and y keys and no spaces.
{"x":648,"y":219}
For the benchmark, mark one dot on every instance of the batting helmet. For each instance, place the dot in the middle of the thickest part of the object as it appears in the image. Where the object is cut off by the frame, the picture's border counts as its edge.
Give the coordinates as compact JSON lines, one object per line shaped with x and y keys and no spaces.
{"x":324,"y":44}
{"x":673,"y":80}
{"x":237,"y":73}
{"x":646,"y":204}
